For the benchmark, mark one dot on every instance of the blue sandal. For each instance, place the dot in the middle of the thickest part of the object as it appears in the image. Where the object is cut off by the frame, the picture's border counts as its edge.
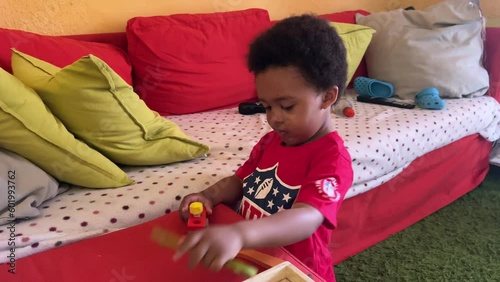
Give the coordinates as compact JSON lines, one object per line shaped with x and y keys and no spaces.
{"x":365,"y":86}
{"x":429,"y":99}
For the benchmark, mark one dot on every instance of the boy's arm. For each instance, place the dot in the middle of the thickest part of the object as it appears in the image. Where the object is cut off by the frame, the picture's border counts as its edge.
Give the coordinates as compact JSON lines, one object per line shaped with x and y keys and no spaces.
{"x":228,"y":191}
{"x":215,"y":246}
{"x":280,"y":229}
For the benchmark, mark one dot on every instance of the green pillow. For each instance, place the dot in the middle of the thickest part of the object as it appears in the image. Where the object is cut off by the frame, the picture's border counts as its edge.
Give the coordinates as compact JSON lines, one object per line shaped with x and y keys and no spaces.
{"x":30,"y":130}
{"x":356,"y":39}
{"x":100,"y":108}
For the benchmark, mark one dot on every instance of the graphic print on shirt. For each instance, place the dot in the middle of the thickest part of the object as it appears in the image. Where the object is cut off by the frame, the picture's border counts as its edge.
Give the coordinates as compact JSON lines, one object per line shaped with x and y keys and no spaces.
{"x":264,"y":193}
{"x":328,"y":188}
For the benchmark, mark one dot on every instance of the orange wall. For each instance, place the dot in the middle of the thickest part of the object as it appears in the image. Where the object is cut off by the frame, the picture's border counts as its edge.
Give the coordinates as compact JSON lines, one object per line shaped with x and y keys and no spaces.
{"x":56,"y":17}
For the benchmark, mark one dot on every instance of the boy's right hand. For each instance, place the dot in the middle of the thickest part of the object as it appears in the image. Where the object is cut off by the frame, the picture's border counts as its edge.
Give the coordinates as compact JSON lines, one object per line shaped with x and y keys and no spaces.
{"x":194,"y":197}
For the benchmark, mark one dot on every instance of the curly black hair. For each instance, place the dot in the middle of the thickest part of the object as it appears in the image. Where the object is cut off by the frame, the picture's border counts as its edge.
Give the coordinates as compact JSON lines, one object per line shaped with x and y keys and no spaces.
{"x":306,"y":42}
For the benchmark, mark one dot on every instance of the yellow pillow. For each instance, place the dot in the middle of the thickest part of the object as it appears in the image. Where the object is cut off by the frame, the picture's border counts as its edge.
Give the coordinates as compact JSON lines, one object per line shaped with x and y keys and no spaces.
{"x":100,"y":108}
{"x":356,"y":39}
{"x":30,"y":130}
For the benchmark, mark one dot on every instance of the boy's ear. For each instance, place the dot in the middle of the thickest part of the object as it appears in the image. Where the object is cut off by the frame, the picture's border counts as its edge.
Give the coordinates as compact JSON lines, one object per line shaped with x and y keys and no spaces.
{"x":329,"y":97}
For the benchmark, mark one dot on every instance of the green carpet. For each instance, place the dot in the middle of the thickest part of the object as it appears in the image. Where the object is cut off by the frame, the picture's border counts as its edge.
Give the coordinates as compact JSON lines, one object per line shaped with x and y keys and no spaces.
{"x":460,"y":242}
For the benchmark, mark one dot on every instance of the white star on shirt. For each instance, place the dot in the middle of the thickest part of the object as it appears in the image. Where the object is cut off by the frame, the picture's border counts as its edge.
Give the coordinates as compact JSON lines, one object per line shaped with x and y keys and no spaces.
{"x":250,"y":191}
{"x":270,"y":204}
{"x":275,"y":191}
{"x":286,"y":197}
{"x":257,"y":180}
{"x":244,"y":184}
{"x":280,"y":208}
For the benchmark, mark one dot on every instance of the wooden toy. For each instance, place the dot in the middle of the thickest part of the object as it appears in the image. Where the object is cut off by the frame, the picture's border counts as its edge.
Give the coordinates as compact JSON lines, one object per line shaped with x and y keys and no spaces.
{"x":165,"y":238}
{"x":284,"y":271}
{"x":169,"y":240}
{"x":258,"y":258}
{"x":197,"y":217}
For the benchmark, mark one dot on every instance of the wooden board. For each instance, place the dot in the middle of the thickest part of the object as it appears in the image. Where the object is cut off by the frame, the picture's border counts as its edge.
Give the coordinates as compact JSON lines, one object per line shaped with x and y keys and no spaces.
{"x":283,"y":272}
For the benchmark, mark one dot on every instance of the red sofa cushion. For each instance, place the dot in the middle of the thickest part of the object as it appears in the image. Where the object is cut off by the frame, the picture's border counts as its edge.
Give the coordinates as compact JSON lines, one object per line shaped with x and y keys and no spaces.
{"x":492,"y":60}
{"x":190,"y":63}
{"x":118,"y":39}
{"x":61,"y":51}
{"x":344,"y":17}
{"x":350,"y":17}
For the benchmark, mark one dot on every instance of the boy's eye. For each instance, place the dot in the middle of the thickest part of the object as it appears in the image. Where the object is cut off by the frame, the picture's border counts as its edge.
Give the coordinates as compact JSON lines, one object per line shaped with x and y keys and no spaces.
{"x":287,"y":108}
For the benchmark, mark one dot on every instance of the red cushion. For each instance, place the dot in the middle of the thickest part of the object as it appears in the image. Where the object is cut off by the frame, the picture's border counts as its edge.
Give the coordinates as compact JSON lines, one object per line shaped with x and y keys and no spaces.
{"x":350,"y":17}
{"x":61,"y":51}
{"x":492,"y":60}
{"x":119,"y":39}
{"x":344,"y":17}
{"x":190,"y":63}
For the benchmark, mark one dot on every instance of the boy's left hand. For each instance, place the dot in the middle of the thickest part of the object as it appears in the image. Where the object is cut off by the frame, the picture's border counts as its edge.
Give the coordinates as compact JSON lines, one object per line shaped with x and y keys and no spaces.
{"x":212,"y":247}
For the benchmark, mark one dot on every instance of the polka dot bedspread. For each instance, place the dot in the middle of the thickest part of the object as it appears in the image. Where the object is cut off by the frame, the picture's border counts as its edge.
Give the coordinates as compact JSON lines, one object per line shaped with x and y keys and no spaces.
{"x":382,"y":141}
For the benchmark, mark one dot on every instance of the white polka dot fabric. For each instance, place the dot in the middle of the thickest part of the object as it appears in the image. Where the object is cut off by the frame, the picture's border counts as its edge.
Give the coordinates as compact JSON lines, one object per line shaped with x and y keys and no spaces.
{"x":382,"y":141}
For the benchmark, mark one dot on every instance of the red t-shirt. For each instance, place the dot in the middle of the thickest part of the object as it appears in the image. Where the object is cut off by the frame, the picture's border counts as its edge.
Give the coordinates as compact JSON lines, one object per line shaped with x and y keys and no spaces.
{"x":318,"y":173}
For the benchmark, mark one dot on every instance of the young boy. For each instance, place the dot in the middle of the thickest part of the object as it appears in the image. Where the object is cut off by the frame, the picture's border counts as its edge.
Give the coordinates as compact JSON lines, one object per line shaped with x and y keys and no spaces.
{"x":292,"y":185}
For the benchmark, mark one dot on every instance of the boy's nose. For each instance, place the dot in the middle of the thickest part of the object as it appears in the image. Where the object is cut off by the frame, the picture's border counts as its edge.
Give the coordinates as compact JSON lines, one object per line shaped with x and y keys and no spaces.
{"x":274,"y":119}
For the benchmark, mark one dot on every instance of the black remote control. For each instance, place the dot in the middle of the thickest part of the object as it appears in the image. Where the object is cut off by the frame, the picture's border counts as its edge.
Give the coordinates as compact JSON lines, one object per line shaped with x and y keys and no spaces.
{"x":248,"y":108}
{"x":393,"y":102}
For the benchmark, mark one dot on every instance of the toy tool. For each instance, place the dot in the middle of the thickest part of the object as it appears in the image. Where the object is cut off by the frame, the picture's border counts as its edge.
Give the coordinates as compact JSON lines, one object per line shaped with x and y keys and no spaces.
{"x":197,"y":217}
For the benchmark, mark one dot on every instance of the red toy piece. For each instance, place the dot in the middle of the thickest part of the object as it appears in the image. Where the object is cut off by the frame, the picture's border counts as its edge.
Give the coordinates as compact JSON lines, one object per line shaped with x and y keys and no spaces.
{"x":197,"y":217}
{"x":344,"y":107}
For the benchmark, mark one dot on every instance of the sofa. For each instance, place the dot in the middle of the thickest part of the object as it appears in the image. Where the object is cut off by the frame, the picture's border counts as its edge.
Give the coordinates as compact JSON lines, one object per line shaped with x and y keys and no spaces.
{"x":146,"y":116}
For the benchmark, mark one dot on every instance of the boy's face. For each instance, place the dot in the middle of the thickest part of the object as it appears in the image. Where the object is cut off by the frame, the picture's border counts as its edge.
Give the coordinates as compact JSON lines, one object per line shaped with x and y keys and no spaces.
{"x":294,"y":109}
